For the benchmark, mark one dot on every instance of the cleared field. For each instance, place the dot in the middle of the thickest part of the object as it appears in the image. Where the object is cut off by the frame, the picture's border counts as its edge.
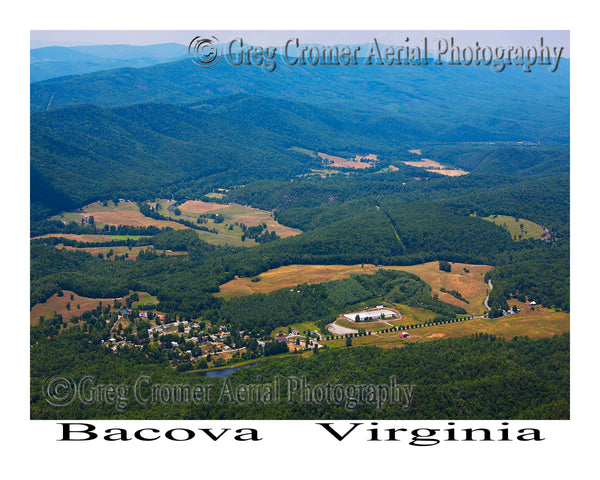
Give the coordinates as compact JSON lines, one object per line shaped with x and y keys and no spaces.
{"x":310,"y":153}
{"x":232,"y":213}
{"x":469,"y":284}
{"x":519,"y":228}
{"x":542,"y":323}
{"x":59,"y":305}
{"x":131,"y":253}
{"x":252,"y":217}
{"x":339,"y":162}
{"x":85,"y":238}
{"x":290,"y":276}
{"x":435,"y":167}
{"x":125,"y":213}
{"x":198,"y":206}
{"x":300,"y":327}
{"x":145,"y":299}
{"x":215,"y":195}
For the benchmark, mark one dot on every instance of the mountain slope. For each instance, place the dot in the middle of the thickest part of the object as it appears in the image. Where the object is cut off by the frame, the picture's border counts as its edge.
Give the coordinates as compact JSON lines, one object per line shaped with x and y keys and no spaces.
{"x":467,"y":103}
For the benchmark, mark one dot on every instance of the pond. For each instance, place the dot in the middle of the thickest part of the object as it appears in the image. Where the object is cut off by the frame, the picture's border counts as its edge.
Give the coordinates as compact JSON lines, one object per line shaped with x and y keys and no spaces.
{"x":223,"y":372}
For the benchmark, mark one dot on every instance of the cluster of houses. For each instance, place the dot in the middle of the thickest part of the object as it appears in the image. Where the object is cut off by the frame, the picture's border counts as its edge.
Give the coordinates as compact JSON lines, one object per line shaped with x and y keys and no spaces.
{"x":215,"y":340}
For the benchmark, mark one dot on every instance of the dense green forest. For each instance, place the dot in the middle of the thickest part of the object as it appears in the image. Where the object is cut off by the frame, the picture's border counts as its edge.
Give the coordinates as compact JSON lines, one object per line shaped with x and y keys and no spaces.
{"x":478,"y":377}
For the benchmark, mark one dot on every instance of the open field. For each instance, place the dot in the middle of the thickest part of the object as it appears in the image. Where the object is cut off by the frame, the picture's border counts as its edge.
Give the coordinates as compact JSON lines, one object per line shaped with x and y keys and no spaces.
{"x":132,"y":252}
{"x":59,"y":305}
{"x":145,"y":300}
{"x":519,"y":229}
{"x":300,"y":327}
{"x":310,"y":153}
{"x":215,"y":195}
{"x":232,"y":214}
{"x":541,"y":323}
{"x":470,"y":284}
{"x":125,"y":213}
{"x":435,"y":167}
{"x":290,"y":276}
{"x":322,"y":172}
{"x":339,"y":162}
{"x":89,"y":238}
{"x":198,"y":206}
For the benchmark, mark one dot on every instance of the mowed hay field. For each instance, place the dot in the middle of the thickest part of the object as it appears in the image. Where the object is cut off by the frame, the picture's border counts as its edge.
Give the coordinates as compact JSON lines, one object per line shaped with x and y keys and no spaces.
{"x":125,"y":213}
{"x":340,"y":162}
{"x":86,"y":238}
{"x":471,"y":284}
{"x":541,"y":323}
{"x":290,"y":276}
{"x":59,"y":305}
{"x":530,"y":229}
{"x":132,"y":252}
{"x":436,"y":167}
{"x":233,"y":213}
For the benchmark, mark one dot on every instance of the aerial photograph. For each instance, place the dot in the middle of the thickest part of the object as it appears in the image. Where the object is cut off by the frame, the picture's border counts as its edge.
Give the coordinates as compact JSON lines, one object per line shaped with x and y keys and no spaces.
{"x":300,"y":225}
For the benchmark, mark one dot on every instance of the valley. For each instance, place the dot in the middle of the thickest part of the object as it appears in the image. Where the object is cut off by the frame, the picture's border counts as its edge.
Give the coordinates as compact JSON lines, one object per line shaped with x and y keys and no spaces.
{"x":343,"y":228}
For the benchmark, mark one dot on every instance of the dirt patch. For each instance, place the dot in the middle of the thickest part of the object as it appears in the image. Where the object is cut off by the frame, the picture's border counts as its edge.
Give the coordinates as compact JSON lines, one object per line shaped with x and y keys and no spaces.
{"x":416,"y":151}
{"x":437,"y":335}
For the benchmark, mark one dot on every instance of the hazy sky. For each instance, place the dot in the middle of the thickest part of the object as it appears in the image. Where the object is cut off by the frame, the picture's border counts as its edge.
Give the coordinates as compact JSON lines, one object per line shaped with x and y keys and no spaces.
{"x":42,"y":38}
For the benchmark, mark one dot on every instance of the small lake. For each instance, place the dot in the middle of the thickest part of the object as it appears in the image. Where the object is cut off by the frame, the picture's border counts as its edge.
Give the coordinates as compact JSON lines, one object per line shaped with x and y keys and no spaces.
{"x":223,"y":372}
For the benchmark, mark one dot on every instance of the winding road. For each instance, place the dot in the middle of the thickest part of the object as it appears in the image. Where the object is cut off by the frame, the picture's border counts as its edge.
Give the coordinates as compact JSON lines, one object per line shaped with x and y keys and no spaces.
{"x":485,"y":302}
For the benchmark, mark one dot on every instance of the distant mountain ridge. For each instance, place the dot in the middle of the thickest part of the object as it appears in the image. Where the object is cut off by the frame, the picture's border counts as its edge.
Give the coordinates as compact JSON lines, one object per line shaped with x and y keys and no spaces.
{"x":472,"y":103}
{"x":53,"y":62}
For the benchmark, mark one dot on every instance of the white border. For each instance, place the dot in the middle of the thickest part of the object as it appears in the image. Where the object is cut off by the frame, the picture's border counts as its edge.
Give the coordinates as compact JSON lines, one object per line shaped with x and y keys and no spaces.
{"x":291,"y":449}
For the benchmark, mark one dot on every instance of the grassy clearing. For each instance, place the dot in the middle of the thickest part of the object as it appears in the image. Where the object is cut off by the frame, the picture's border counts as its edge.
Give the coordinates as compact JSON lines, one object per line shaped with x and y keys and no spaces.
{"x":356,"y":163}
{"x":519,"y":228}
{"x":310,"y":153}
{"x":145,"y":300}
{"x":300,"y":327}
{"x":59,"y":305}
{"x":132,"y":252}
{"x":464,"y":278}
{"x":81,"y":238}
{"x":541,"y":323}
{"x":435,"y":167}
{"x":215,"y":195}
{"x":125,"y":213}
{"x":232,"y":214}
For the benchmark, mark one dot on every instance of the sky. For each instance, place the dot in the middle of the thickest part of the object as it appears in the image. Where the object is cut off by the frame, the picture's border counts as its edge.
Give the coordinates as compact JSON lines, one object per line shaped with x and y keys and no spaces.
{"x":493,"y":38}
